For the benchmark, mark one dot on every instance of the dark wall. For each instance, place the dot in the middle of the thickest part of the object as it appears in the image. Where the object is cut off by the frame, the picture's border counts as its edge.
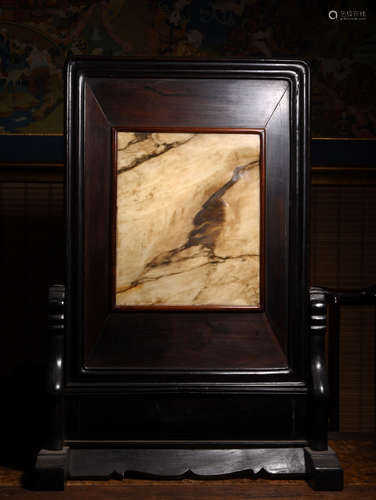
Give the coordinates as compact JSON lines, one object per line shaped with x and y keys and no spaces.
{"x":32,"y":256}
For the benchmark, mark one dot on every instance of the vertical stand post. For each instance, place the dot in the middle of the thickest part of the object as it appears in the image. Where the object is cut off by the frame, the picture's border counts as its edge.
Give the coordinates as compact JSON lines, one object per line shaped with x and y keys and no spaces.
{"x":323,"y":468}
{"x":51,"y":464}
{"x":56,"y":299}
{"x":319,"y":378}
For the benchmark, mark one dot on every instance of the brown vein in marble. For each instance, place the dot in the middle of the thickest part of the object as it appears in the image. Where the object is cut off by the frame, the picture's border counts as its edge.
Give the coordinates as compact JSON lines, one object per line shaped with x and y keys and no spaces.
{"x":217,"y":260}
{"x":207,"y":227}
{"x":145,"y":157}
{"x":207,"y":222}
{"x":138,"y":137}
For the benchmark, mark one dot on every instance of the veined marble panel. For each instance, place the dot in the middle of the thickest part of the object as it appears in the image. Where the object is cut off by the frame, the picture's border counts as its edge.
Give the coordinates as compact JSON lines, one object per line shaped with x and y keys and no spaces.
{"x":188,"y":219}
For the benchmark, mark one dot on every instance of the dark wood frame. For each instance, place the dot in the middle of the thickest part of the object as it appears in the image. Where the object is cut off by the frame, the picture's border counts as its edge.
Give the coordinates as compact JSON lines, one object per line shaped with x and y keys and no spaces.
{"x":94,"y":109}
{"x":175,"y":410}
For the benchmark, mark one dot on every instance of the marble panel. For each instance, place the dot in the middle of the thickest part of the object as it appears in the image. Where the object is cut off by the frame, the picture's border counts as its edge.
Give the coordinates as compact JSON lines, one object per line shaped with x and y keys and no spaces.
{"x":188,"y":219}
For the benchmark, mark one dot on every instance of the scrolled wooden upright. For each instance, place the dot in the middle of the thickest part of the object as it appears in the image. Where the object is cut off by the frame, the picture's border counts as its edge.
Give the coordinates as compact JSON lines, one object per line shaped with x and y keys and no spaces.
{"x":324,"y":470}
{"x":191,"y":345}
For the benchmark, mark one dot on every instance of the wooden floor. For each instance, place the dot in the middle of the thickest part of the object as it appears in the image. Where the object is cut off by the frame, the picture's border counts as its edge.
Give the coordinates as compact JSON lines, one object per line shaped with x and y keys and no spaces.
{"x":357,"y":455}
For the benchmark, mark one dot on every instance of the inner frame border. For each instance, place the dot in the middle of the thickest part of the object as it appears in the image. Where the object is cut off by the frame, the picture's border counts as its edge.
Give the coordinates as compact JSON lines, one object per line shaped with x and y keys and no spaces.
{"x":217,"y":308}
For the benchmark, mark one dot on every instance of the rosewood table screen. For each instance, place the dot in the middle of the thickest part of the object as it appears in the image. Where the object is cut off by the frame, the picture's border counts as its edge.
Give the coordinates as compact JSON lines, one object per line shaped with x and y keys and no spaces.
{"x":189,"y":341}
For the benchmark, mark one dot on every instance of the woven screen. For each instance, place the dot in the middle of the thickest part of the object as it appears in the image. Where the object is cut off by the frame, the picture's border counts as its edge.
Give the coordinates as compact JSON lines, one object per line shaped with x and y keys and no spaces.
{"x":32,"y":257}
{"x":343,"y":256}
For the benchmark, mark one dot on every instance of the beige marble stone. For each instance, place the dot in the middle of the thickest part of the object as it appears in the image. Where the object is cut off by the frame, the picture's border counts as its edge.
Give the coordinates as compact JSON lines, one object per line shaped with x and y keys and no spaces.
{"x":188,"y":219}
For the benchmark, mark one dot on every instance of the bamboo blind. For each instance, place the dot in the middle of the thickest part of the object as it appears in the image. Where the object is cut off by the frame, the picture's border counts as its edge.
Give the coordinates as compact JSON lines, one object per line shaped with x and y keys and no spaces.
{"x":343,"y":256}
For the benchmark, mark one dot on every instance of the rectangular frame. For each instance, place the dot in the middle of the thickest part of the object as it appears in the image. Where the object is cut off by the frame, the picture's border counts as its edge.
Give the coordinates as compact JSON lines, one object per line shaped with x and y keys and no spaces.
{"x":97,"y":91}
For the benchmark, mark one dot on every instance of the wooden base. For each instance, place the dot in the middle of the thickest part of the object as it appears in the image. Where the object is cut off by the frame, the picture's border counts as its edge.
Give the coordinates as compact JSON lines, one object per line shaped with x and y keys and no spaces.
{"x":322,"y":469}
{"x":51,"y":469}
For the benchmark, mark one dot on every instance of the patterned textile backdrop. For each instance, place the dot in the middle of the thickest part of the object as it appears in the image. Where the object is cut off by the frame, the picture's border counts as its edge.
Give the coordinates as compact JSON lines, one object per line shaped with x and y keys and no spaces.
{"x":338,"y":38}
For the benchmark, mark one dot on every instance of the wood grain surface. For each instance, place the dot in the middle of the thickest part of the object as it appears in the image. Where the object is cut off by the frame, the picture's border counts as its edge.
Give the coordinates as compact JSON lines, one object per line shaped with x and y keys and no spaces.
{"x":176,"y":96}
